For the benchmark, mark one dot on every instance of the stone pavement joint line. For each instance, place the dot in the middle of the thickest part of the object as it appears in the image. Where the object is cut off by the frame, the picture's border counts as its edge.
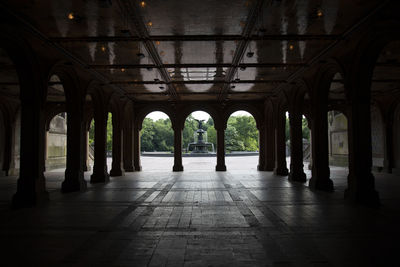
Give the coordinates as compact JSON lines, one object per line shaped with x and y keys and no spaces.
{"x":203,"y":218}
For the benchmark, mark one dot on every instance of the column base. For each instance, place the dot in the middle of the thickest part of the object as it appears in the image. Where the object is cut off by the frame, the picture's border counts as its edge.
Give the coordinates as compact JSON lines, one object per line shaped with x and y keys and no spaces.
{"x":129,"y":169}
{"x":269,"y":168}
{"x":74,"y":182}
{"x":116,"y":172}
{"x":28,"y":200}
{"x":260,"y":167}
{"x":100,"y":177}
{"x":177,"y":168}
{"x":325,"y":184}
{"x":297,"y":177}
{"x":220,"y":168}
{"x":281,"y":171}
{"x":138,"y":168}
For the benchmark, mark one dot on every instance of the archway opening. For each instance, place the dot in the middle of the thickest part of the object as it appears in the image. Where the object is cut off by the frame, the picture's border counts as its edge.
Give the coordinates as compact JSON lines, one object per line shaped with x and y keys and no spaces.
{"x":109,"y":142}
{"x":157,"y":142}
{"x":56,"y":131}
{"x":241,"y":141}
{"x":199,"y":141}
{"x":56,"y":144}
{"x":385,"y":98}
{"x":337,"y":131}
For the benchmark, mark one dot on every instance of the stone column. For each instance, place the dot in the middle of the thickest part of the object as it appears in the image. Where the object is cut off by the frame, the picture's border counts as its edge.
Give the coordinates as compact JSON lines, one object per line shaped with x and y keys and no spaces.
{"x":116,"y":169}
{"x":361,"y":182}
{"x":280,"y":145}
{"x":261,"y":150}
{"x":296,"y":148}
{"x":220,"y":149}
{"x":320,"y":179}
{"x":100,"y":174}
{"x":31,"y":189}
{"x":136,"y":148}
{"x":128,"y":146}
{"x":178,"y":167}
{"x":270,"y":144}
{"x":388,"y":157}
{"x":74,"y":177}
{"x":8,"y":140}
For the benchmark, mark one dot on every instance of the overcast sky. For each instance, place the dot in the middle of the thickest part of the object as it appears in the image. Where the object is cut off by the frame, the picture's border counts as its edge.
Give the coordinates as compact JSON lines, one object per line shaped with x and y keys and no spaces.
{"x":200,"y":115}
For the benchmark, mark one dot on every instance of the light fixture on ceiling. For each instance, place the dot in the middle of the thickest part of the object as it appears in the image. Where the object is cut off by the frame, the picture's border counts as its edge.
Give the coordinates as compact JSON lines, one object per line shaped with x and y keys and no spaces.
{"x":320,"y":13}
{"x":157,"y":42}
{"x":103,"y":48}
{"x":140,"y":55}
{"x":232,"y":86}
{"x":149,"y":23}
{"x":143,"y":4}
{"x":250,"y":54}
{"x":122,"y":70}
{"x":242,"y":68}
{"x":71,"y":16}
{"x":157,"y":80}
{"x":161,"y":87}
{"x":291,"y":47}
{"x":149,"y":68}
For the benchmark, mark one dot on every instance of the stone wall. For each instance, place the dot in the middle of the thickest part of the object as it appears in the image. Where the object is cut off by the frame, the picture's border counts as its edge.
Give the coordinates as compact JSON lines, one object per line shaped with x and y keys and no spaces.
{"x":57,"y":143}
{"x":337,"y":138}
{"x":2,"y":141}
{"x":396,"y":141}
{"x":377,"y":138}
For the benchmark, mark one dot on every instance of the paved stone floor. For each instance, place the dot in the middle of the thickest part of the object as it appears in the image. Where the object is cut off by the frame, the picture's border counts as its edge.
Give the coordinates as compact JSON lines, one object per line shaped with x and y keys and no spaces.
{"x":201,"y":218}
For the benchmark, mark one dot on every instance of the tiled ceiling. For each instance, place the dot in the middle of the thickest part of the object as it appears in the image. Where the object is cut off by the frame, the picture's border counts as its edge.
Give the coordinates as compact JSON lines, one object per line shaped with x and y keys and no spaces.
{"x":188,"y":50}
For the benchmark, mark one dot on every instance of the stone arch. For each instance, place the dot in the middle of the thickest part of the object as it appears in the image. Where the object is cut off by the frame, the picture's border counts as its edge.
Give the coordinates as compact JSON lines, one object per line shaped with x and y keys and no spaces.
{"x":212,"y":111}
{"x":367,"y":52}
{"x":70,"y":82}
{"x":254,"y":111}
{"x":146,"y":110}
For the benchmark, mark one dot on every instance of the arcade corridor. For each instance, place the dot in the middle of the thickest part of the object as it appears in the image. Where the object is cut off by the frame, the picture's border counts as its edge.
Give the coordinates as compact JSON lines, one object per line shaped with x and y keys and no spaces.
{"x":78,"y":79}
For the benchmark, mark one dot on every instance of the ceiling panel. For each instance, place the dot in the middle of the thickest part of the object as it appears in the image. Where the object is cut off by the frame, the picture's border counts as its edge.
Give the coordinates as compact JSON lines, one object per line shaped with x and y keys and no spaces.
{"x":174,"y":17}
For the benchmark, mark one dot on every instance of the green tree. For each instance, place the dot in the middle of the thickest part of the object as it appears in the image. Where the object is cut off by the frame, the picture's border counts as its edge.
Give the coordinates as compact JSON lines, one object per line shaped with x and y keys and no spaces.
{"x":232,"y":142}
{"x":247,"y":132}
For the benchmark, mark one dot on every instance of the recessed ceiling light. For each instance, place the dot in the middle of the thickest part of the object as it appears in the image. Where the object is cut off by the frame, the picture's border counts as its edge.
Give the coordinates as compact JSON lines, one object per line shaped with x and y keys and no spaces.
{"x":320,"y":13}
{"x":103,"y":48}
{"x":149,"y":68}
{"x":123,"y":70}
{"x":157,"y":42}
{"x":71,"y":16}
{"x":232,"y":86}
{"x":149,"y":23}
{"x":140,"y":55}
{"x":250,"y":54}
{"x":156,"y":80}
{"x":291,"y":47}
{"x":161,"y":87}
{"x":242,"y":68}
{"x":142,"y":3}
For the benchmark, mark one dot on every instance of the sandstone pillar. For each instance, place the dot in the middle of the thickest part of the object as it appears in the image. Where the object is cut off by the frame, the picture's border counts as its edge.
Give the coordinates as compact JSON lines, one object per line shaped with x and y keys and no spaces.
{"x":220,"y":149}
{"x":320,"y":179}
{"x":296,"y":147}
{"x":74,"y":177}
{"x":280,"y":145}
{"x":178,"y":167}
{"x":100,"y":174}
{"x":136,"y":148}
{"x":116,"y":169}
